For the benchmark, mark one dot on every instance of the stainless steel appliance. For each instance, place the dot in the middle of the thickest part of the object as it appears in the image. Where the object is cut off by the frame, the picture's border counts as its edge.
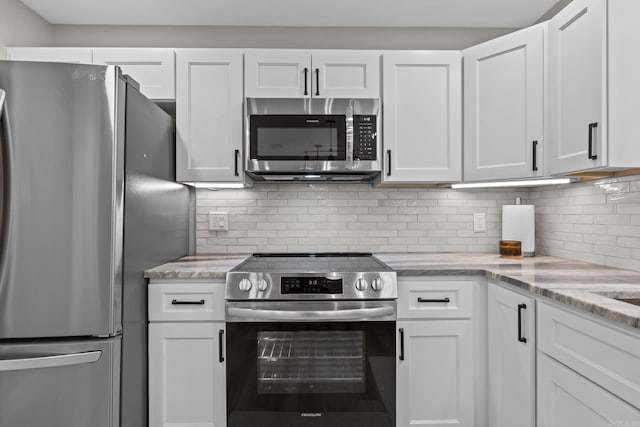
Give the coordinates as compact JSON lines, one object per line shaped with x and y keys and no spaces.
{"x":311,"y":341}
{"x":313,"y":139}
{"x":89,"y":201}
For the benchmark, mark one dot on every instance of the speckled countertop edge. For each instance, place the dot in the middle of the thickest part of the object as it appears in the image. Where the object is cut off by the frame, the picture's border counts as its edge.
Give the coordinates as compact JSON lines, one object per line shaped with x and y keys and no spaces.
{"x":587,"y":287}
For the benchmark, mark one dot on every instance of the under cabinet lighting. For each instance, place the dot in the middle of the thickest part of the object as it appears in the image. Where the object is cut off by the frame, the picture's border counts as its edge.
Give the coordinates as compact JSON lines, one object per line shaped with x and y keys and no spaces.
{"x":214,"y":185}
{"x":520,"y":183}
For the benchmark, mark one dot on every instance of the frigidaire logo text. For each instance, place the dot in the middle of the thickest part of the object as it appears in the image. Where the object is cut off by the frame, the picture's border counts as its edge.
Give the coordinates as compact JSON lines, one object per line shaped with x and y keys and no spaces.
{"x":310,"y":414}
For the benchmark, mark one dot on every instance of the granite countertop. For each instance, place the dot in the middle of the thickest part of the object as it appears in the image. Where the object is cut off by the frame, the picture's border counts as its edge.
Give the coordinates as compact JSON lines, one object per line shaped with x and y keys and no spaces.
{"x":210,"y":266}
{"x":588,"y":287}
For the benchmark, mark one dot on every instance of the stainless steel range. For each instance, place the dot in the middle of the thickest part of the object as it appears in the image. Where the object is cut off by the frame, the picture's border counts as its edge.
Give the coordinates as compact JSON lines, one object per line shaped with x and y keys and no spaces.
{"x":311,"y":341}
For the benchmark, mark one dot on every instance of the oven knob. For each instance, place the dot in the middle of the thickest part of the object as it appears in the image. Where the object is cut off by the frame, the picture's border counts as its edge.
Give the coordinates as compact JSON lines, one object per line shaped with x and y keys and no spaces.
{"x":262,"y":284}
{"x":361,"y":284}
{"x":377,"y":284}
{"x":245,"y":285}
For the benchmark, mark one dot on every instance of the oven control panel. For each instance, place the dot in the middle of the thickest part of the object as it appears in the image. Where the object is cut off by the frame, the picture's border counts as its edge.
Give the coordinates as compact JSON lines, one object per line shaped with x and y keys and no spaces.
{"x":310,"y":285}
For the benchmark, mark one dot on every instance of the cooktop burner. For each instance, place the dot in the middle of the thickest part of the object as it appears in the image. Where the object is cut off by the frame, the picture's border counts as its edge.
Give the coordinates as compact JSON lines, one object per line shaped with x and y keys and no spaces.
{"x":313,"y":263}
{"x":303,"y":276}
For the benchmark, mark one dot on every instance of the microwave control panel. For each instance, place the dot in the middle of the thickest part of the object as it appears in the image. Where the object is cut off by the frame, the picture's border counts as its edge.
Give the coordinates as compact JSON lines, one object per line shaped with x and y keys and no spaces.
{"x":365,"y":140}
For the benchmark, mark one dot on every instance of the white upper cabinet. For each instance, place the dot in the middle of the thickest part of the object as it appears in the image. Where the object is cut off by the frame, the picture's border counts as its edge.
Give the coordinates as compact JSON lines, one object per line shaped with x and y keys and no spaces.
{"x":306,"y":74}
{"x":209,"y":115}
{"x":504,"y":107}
{"x":593,"y":86}
{"x":152,"y":68}
{"x":422,"y":129}
{"x":75,"y":55}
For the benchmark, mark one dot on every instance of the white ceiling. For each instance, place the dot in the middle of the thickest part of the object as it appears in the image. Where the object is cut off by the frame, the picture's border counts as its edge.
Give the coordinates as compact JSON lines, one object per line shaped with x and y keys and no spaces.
{"x":351,"y":13}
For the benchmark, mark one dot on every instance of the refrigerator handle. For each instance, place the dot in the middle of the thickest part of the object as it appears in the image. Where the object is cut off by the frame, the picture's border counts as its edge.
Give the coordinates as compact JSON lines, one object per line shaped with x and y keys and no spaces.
{"x":5,"y":197}
{"x":50,"y":361}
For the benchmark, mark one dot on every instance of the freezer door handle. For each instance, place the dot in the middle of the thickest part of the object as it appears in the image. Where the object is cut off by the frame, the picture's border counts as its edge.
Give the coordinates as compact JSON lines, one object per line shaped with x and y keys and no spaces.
{"x":49,"y":361}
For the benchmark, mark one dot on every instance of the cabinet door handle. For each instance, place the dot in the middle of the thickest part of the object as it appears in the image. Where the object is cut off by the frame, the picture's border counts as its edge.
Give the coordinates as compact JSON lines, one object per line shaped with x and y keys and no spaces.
{"x":220,"y":342}
{"x":401,"y":330}
{"x":306,"y":79}
{"x":535,"y":155}
{"x":520,"y":308}
{"x":178,"y":302}
{"x":434,"y":300}
{"x":592,"y":126}
{"x":388,"y":162}
{"x":317,"y":81}
{"x":235,"y":161}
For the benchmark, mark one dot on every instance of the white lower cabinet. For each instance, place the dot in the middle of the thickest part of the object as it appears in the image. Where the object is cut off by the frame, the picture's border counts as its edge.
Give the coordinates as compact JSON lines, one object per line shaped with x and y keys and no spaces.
{"x":435,"y":365}
{"x":511,"y":355}
{"x":435,"y":373}
{"x":567,"y":399}
{"x":187,"y":368}
{"x":187,"y":384}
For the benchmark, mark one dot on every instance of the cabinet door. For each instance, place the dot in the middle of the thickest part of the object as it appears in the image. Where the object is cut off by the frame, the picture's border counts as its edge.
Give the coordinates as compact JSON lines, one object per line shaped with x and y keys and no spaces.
{"x":503,"y":107}
{"x":566,"y":399}
{"x":187,"y":384}
{"x":75,"y":55}
{"x":422,"y":116}
{"x":435,"y":379}
{"x":209,"y":115}
{"x":346,"y":74}
{"x":277,"y":74}
{"x":153,"y":69}
{"x":577,"y":71}
{"x":511,"y":358}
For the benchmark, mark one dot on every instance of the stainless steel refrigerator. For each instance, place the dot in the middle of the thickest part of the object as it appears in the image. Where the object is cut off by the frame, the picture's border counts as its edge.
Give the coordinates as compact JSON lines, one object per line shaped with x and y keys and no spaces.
{"x":88,"y":201}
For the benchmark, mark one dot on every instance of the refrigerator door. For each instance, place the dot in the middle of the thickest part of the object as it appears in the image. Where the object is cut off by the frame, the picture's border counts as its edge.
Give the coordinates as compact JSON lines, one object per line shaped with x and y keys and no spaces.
{"x":156,"y":225}
{"x":60,"y":384}
{"x":61,"y":165}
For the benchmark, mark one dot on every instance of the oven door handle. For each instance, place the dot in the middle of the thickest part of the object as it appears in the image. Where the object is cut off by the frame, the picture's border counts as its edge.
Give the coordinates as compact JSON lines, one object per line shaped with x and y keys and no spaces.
{"x":350,"y":314}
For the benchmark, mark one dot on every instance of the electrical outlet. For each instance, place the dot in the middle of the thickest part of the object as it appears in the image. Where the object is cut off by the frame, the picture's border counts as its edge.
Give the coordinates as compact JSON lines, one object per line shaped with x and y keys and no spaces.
{"x":219,"y":221}
{"x":479,"y":222}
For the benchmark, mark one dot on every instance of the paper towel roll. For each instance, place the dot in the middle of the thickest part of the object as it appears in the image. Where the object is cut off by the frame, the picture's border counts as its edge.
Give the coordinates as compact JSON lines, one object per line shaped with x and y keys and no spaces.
{"x":518,"y":223}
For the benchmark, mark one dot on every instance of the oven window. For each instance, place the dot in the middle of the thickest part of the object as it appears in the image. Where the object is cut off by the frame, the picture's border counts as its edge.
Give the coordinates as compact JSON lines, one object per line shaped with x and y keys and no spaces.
{"x":311,"y":374}
{"x":311,"y":362}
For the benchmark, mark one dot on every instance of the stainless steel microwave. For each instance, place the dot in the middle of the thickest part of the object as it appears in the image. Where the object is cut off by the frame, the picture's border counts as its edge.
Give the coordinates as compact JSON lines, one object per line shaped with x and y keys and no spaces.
{"x":314,"y":141}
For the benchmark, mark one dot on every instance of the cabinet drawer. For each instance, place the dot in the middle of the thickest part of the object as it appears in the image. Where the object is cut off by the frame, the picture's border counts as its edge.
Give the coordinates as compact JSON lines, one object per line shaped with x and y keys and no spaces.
{"x":421,"y":298}
{"x":607,"y":356}
{"x":186,"y":301}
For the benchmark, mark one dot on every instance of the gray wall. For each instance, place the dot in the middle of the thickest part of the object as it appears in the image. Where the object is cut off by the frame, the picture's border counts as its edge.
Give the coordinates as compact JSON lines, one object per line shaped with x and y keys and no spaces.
{"x":20,"y":26}
{"x":273,"y":37}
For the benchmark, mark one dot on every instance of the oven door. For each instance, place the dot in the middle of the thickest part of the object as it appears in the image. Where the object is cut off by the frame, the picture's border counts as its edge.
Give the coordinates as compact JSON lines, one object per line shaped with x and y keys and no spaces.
{"x":297,"y":143}
{"x":309,"y":371}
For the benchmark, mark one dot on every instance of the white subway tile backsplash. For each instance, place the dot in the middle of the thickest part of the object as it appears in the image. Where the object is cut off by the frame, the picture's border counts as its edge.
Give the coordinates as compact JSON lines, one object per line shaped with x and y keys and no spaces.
{"x":597,"y":221}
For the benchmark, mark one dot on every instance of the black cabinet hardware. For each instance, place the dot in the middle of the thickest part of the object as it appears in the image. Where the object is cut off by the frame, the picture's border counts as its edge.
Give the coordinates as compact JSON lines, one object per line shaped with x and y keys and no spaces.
{"x":433,"y":300}
{"x":401,"y":343}
{"x":220,"y":341}
{"x":520,"y":308}
{"x":389,"y":163}
{"x":235,"y":161}
{"x":535,"y":155}
{"x":306,"y":79}
{"x":317,"y":81}
{"x":178,"y":302}
{"x":592,"y":126}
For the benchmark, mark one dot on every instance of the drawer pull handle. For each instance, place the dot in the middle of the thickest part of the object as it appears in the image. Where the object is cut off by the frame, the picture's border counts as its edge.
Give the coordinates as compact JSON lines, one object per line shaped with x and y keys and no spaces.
{"x":178,"y":302}
{"x":445,"y":300}
{"x":520,"y":308}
